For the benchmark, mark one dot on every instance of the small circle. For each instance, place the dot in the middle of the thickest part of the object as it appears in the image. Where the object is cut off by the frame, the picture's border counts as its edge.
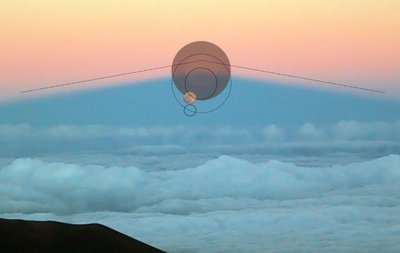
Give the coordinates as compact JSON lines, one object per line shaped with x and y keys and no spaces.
{"x":190,"y":110}
{"x":202,"y":81}
{"x":190,"y":97}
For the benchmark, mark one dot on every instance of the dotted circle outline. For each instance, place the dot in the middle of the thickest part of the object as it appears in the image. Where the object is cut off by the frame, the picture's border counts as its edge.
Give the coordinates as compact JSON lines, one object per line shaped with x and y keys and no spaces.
{"x":230,"y":81}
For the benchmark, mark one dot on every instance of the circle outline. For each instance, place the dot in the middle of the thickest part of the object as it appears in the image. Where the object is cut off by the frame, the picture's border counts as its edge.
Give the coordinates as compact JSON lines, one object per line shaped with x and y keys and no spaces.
{"x":226,"y":65}
{"x":216,"y":83}
{"x":185,"y":108}
{"x":230,"y":82}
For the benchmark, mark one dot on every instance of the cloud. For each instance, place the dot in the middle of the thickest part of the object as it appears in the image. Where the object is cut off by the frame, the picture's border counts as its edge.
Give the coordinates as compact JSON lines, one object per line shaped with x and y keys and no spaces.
{"x":71,"y":188}
{"x":342,"y":130}
{"x":354,"y":130}
{"x":223,"y":205}
{"x":309,"y":131}
{"x":13,"y":132}
{"x":272,"y":132}
{"x":177,"y":147}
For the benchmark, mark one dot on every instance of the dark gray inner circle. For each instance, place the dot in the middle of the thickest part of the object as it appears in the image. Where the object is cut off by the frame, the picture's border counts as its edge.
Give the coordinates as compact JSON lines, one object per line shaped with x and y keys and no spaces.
{"x":202,"y":82}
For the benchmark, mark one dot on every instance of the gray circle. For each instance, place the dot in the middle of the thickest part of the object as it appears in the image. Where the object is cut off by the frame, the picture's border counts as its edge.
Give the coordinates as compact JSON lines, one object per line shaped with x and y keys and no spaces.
{"x":201,"y":55}
{"x":208,"y":111}
{"x":226,"y":97}
{"x":193,"y":84}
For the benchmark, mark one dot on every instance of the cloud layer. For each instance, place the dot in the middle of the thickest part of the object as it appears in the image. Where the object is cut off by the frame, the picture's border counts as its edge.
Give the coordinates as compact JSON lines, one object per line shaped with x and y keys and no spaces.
{"x":310,"y":188}
{"x":223,"y":205}
{"x":342,"y":130}
{"x":177,"y":147}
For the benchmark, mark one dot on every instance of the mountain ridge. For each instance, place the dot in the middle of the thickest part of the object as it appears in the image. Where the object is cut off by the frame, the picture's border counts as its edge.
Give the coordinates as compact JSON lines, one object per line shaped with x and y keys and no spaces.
{"x":25,"y":236}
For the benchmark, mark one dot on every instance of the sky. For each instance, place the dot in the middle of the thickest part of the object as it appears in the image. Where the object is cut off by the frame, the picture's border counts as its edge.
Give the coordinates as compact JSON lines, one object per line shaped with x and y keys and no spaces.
{"x":51,"y":42}
{"x":283,"y":166}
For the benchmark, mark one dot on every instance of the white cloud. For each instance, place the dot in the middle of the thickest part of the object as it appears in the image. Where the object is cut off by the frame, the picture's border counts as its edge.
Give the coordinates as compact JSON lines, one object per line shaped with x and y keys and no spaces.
{"x":343,"y":130}
{"x":309,"y":131}
{"x":183,"y":146}
{"x":272,"y":132}
{"x":71,"y":188}
{"x":354,"y":130}
{"x":12,"y":132}
{"x":162,"y":184}
{"x":371,"y":140}
{"x":224,"y":205}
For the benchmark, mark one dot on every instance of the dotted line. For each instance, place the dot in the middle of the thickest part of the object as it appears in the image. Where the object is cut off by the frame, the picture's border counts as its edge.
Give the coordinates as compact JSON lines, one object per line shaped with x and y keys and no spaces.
{"x":104,"y":77}
{"x":232,"y":65}
{"x":95,"y":79}
{"x":299,"y":77}
{"x":309,"y":79}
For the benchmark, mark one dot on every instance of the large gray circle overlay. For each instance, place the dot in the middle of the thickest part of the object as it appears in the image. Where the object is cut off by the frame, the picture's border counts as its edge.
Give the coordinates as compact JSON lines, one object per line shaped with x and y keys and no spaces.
{"x":202,"y":68}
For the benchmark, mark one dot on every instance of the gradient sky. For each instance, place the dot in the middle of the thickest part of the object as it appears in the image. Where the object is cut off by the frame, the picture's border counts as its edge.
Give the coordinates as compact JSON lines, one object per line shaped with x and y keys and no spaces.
{"x":49,"y":42}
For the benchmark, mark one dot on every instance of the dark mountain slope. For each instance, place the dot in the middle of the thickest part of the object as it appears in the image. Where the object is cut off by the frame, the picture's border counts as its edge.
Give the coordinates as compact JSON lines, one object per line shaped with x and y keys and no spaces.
{"x":19,"y":236}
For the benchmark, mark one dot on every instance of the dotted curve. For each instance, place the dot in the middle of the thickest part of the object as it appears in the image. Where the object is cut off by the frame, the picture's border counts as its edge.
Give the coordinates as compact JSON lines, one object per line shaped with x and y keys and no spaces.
{"x":232,"y":65}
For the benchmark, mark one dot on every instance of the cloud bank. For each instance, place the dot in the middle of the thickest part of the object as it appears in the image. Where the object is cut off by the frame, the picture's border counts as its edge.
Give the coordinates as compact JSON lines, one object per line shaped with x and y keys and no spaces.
{"x":342,"y":130}
{"x":223,"y":205}
{"x":163,"y":146}
{"x":310,"y":188}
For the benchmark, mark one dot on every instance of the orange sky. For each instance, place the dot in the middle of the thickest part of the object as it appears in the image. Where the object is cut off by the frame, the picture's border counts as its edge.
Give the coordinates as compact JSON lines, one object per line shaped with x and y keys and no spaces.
{"x":47,"y":42}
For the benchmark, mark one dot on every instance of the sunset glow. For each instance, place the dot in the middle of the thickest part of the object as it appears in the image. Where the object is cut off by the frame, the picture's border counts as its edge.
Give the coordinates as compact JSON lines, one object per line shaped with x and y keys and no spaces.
{"x":50,"y":42}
